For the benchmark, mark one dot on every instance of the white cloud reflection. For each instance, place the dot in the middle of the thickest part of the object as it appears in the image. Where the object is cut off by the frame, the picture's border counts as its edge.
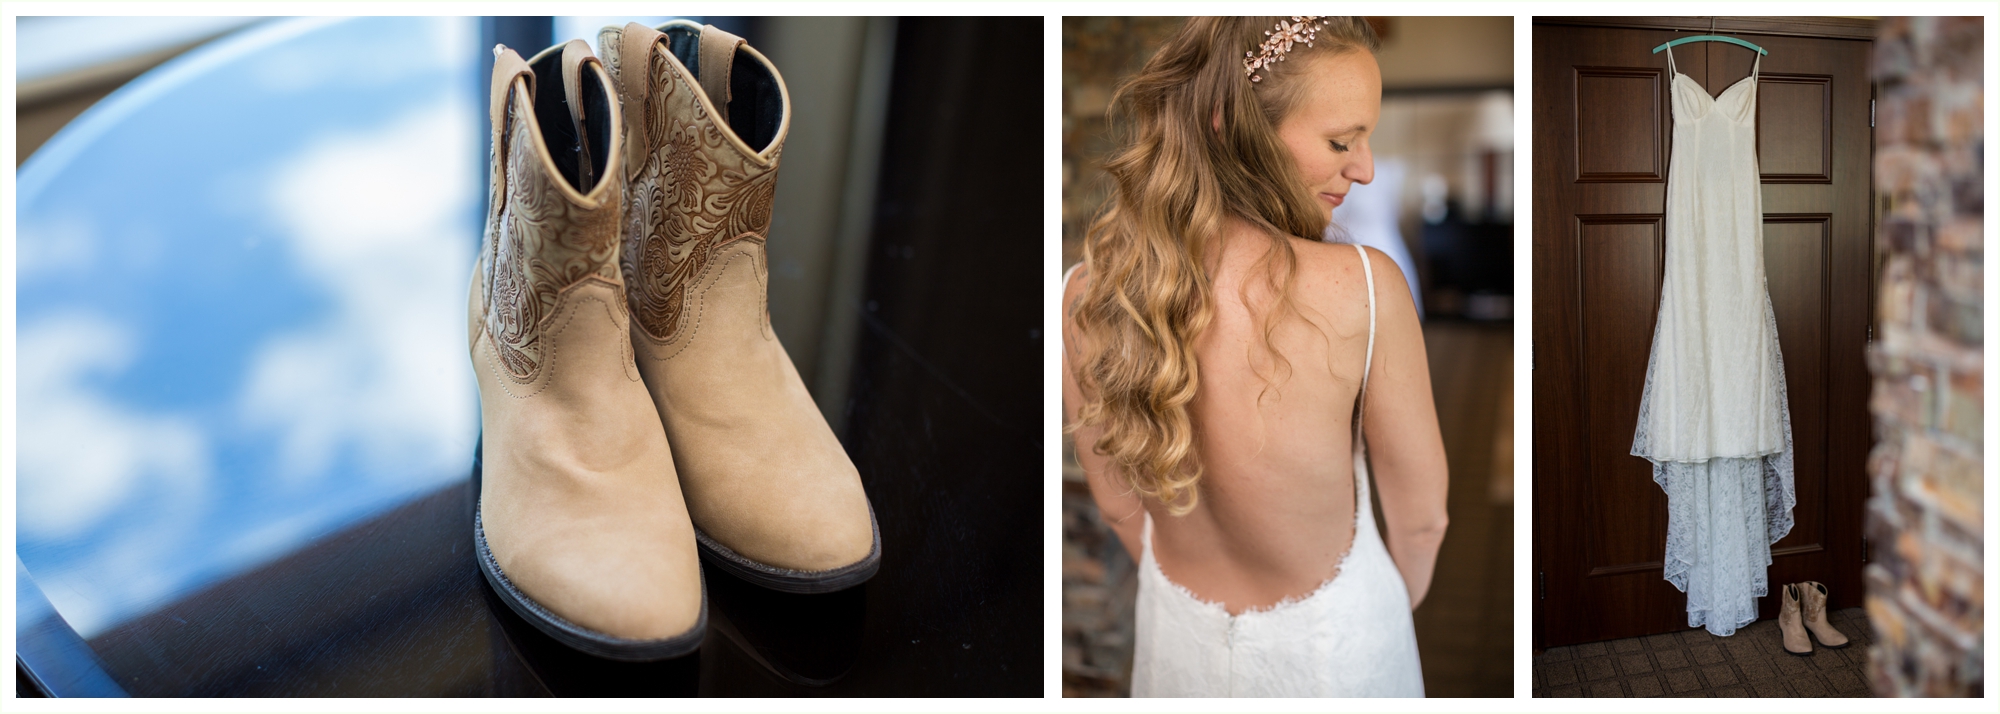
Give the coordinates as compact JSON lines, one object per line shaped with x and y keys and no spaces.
{"x":378,"y":222}
{"x":63,"y":243}
{"x":91,"y":452}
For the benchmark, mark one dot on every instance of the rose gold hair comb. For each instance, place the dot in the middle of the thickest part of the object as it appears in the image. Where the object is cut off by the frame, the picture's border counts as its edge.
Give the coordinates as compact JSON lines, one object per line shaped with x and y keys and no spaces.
{"x":1279,"y":40}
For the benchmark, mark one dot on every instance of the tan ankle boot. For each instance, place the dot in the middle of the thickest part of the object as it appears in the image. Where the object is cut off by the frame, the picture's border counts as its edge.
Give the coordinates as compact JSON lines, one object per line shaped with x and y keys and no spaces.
{"x":774,"y":498}
{"x":1790,"y":626}
{"x":580,"y":525}
{"x":1815,"y":617}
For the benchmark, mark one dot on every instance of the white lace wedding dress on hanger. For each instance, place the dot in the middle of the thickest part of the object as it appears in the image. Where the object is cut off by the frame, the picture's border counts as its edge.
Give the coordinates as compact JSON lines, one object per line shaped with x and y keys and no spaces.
{"x":1713,"y":420}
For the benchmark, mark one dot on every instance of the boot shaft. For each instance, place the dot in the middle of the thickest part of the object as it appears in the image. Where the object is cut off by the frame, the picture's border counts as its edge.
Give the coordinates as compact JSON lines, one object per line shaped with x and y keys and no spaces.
{"x":1812,"y":601}
{"x":556,"y":201}
{"x":706,"y":117}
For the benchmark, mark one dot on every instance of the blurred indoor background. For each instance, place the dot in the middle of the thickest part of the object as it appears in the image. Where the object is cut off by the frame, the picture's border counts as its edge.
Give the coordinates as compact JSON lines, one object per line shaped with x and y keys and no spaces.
{"x":1441,"y":204}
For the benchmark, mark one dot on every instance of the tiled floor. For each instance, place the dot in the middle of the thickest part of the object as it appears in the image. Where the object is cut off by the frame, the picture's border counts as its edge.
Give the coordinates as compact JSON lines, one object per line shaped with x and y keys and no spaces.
{"x":1693,"y":663}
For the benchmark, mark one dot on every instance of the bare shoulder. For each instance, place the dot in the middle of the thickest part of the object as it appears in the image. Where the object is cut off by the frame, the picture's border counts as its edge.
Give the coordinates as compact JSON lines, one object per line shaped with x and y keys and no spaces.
{"x":1332,"y":275}
{"x":1075,"y":279}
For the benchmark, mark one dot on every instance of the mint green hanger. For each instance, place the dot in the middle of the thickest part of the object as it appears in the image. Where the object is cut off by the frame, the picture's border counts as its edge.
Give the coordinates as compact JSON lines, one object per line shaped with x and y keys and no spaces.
{"x":1710,"y":38}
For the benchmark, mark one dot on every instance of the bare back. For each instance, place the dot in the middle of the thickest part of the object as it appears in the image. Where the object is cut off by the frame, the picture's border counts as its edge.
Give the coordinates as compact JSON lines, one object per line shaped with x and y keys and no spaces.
{"x":1277,"y":493}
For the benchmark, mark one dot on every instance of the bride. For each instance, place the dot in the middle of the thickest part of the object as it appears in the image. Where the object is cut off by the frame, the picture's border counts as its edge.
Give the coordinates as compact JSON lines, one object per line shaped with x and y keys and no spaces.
{"x":1218,"y":364}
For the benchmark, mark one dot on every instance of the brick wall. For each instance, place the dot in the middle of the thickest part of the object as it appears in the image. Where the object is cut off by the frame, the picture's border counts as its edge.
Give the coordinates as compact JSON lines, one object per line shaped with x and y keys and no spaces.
{"x":1925,"y":592}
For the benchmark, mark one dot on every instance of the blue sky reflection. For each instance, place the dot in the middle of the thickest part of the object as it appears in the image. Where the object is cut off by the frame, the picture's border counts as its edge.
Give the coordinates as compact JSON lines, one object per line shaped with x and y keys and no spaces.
{"x":241,"y":307}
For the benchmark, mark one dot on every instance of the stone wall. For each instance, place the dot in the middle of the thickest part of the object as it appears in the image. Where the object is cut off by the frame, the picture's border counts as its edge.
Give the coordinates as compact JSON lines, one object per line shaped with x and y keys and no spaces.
{"x":1925,"y":579}
{"x":1098,"y":53}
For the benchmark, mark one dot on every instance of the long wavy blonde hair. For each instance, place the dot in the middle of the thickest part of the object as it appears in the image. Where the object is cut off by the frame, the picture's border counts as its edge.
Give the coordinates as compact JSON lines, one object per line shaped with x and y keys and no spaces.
{"x":1201,"y":147}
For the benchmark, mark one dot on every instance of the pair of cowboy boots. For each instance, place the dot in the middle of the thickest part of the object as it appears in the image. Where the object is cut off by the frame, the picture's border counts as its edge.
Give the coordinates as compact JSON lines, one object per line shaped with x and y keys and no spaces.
{"x":638,"y":415}
{"x":1802,"y":620}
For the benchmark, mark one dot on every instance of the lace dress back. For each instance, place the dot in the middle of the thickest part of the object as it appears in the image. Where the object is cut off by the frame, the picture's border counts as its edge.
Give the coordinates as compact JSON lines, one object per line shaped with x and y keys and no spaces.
{"x":1351,"y":637}
{"x":1713,"y":419}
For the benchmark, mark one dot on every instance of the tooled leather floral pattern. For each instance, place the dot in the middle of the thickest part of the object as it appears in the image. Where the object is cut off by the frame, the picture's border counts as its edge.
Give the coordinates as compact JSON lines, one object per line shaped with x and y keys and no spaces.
{"x":543,"y":243}
{"x":694,"y":194}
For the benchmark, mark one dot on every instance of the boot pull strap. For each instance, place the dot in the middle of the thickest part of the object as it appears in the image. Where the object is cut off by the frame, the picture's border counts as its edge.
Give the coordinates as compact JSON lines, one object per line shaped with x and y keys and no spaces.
{"x":718,"y":54}
{"x":574,"y":54}
{"x":635,"y":70}
{"x":508,"y":67}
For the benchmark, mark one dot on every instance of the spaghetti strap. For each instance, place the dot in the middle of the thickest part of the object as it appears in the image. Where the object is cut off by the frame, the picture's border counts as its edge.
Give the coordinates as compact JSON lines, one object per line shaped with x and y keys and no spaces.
{"x":1368,"y":361}
{"x":1670,"y":62}
{"x":1146,"y":534}
{"x":1364,"y":517}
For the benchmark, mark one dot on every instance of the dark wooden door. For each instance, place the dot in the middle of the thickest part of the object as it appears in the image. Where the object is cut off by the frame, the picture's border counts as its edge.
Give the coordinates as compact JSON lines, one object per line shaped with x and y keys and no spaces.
{"x":1603,"y":133}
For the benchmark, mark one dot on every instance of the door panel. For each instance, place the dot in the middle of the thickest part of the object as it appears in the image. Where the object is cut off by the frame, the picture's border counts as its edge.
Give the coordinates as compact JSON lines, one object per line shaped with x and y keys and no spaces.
{"x":1618,"y":266}
{"x":1613,"y":102}
{"x":1794,"y":132}
{"x":1600,"y":194}
{"x":1795,"y":252}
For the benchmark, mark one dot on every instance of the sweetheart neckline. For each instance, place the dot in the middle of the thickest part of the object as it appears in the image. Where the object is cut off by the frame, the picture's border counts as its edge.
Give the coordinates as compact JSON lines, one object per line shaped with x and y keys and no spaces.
{"x":1704,"y":90}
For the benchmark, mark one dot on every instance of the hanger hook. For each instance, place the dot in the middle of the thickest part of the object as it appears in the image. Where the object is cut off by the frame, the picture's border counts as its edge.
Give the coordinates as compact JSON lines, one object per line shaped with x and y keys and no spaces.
{"x":1711,"y":24}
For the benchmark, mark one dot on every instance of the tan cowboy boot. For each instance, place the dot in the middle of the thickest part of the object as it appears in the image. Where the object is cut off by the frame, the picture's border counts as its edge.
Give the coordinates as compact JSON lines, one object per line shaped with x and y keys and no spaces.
{"x":1789,"y":625}
{"x":1815,"y":617}
{"x":580,"y":525}
{"x":775,"y":499}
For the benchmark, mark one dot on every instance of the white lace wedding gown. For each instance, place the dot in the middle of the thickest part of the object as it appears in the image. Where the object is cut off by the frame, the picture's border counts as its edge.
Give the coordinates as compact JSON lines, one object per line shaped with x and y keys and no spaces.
{"x":1352,"y":637}
{"x":1713,"y":419}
